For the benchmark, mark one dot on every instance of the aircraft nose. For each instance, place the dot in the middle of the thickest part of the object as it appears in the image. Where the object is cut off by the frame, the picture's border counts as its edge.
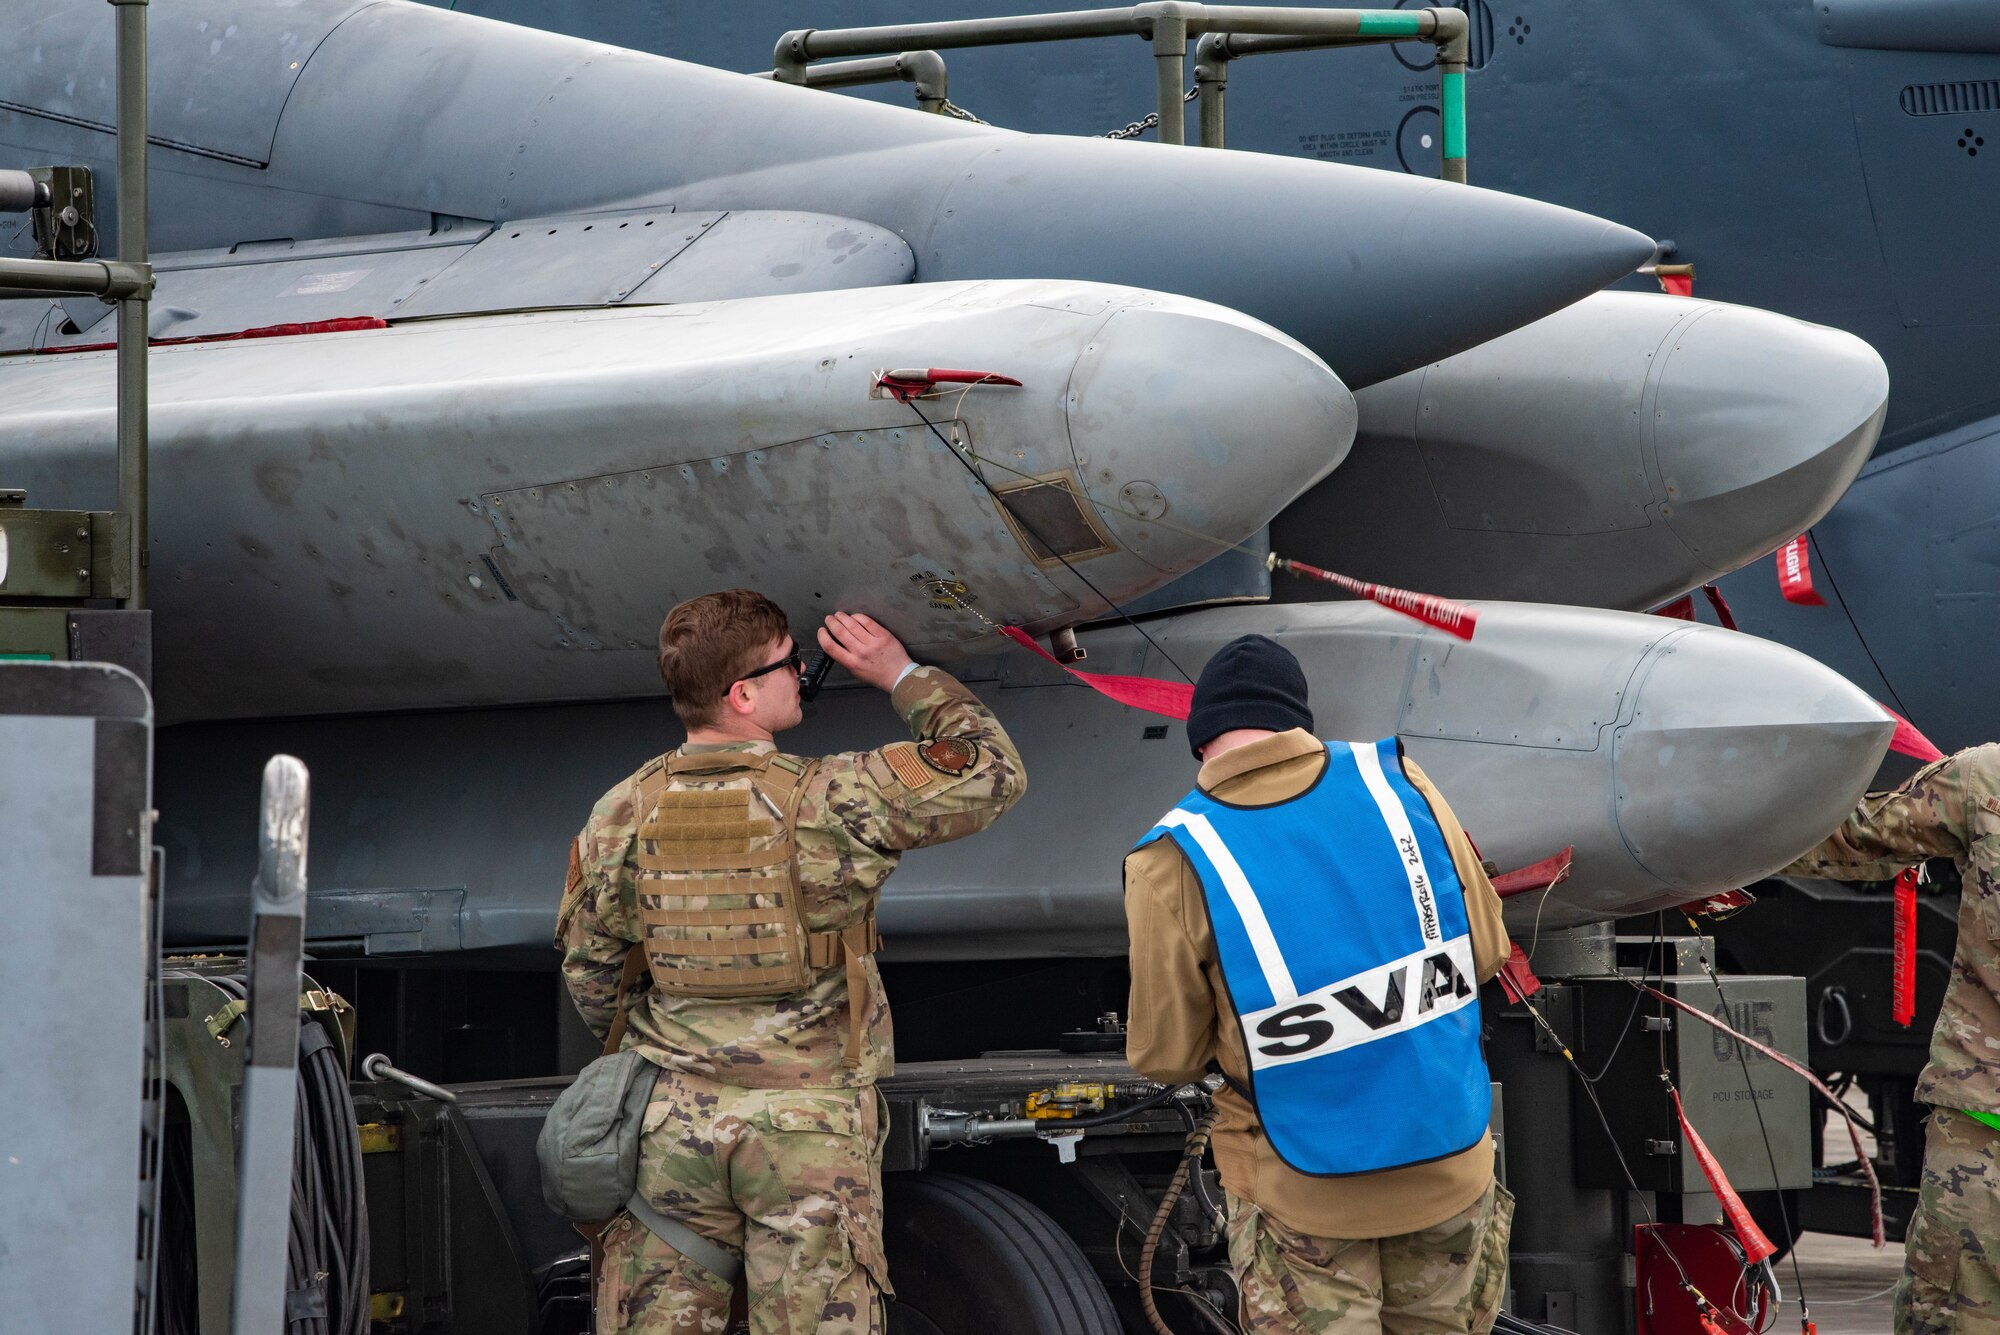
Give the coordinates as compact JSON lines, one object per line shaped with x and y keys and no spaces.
{"x":1192,"y":419}
{"x":1765,"y":733}
{"x":1760,"y":421}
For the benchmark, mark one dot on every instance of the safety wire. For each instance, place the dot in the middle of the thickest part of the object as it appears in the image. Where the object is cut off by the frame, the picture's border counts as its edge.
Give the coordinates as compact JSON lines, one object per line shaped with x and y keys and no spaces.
{"x":967,"y":452}
{"x":1445,"y":616}
{"x":1805,"y":1309}
{"x":1742,"y":1286}
{"x":965,"y":457}
{"x":1702,"y":1301}
{"x":1118,"y":1250}
{"x":969,"y":457}
{"x":1834,"y":584}
{"x":1770,"y":1155}
{"x":1803,"y":1073}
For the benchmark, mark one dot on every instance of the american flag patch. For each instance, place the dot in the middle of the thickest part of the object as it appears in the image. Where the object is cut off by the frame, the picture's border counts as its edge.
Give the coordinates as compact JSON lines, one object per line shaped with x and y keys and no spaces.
{"x":903,"y":762}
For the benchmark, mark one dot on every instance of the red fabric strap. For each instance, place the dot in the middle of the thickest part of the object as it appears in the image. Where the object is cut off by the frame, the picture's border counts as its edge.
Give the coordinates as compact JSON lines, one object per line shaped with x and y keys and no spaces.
{"x":1448,"y":615}
{"x":1795,"y":573}
{"x":1536,"y":875}
{"x":1804,"y":1073}
{"x":1722,"y":612}
{"x":1755,"y":1245}
{"x":1170,"y":699}
{"x":1903,"y":969}
{"x":1517,"y":979}
{"x":1682,"y":608}
{"x":339,"y":326}
{"x":1907,"y":741}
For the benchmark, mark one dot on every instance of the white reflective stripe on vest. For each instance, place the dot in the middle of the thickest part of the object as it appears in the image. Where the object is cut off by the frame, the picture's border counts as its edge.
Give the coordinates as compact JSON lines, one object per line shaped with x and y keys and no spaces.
{"x":1277,"y":974}
{"x":1398,"y":820}
{"x":1378,"y":1003}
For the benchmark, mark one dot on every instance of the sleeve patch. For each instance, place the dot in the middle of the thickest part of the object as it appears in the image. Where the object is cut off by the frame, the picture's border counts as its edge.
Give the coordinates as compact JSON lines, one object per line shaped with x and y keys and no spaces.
{"x":903,"y":763}
{"x":950,"y":755}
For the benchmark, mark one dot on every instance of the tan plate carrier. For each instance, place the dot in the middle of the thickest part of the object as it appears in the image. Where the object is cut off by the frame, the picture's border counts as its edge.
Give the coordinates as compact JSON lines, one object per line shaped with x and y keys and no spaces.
{"x":718,"y":885}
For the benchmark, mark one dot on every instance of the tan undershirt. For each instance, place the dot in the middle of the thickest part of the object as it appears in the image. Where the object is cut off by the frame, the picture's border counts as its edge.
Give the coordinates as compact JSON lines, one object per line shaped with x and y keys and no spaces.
{"x":1180,"y":1018}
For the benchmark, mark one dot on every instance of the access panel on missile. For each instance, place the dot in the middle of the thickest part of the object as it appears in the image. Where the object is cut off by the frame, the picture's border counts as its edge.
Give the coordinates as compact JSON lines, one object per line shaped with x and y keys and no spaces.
{"x":500,"y":509}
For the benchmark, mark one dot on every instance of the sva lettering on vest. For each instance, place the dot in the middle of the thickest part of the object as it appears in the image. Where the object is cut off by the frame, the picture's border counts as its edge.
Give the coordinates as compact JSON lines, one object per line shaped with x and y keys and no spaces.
{"x":1342,"y":1023}
{"x":1366,"y":1007}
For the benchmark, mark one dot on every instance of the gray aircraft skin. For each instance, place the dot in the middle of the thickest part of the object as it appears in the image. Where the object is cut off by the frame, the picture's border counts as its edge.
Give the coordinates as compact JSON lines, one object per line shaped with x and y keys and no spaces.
{"x":1708,"y":454}
{"x":1672,"y":737}
{"x":493,"y":573}
{"x":352,"y":117}
{"x":1833,"y":160}
{"x":436,"y":170}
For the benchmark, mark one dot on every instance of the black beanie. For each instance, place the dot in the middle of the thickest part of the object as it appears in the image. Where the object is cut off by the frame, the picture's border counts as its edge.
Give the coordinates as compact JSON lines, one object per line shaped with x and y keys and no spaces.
{"x":1252,"y":682}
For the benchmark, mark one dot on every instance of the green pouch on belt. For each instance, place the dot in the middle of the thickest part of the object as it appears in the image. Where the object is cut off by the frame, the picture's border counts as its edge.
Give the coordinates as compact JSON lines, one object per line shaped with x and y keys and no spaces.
{"x":589,"y":1146}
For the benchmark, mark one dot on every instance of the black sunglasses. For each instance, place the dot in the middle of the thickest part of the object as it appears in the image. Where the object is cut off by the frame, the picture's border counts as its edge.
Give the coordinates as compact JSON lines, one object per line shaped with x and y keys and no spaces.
{"x":793,"y":660}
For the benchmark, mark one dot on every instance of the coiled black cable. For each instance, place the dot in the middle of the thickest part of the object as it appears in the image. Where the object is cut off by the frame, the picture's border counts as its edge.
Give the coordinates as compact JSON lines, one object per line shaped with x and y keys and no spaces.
{"x":327,"y":1253}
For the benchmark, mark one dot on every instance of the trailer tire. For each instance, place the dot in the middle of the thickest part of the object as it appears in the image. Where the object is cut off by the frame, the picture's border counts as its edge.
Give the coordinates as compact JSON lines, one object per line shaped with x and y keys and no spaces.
{"x":968,"y":1258}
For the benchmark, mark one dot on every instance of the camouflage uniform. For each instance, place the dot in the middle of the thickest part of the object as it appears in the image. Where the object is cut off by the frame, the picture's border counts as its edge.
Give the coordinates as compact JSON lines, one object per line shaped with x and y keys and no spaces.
{"x":759,"y":1136}
{"x":1448,"y":1278}
{"x":1951,"y":808}
{"x":797,"y":1171}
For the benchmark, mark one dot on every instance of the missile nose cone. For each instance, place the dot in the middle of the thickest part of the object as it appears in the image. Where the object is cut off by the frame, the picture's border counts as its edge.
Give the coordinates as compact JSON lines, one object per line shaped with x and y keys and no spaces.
{"x":1377,"y":272}
{"x":1204,"y":419}
{"x":1754,"y":740}
{"x":1760,"y":422}
{"x":1620,"y":250}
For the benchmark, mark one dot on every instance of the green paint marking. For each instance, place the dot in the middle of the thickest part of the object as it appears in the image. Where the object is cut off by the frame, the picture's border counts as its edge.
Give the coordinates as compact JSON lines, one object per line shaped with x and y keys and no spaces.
{"x":1384,"y":23}
{"x":27,"y":658}
{"x":1454,"y":114}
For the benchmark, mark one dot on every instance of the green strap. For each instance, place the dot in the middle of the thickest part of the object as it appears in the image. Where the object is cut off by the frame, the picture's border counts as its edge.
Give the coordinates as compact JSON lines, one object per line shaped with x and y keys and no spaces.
{"x":724,"y":1264}
{"x":1990,"y":1119}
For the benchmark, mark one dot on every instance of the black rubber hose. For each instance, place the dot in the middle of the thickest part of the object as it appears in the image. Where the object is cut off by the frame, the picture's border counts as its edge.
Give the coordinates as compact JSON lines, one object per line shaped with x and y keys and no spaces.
{"x":1151,"y":1101}
{"x":1197,"y":1145}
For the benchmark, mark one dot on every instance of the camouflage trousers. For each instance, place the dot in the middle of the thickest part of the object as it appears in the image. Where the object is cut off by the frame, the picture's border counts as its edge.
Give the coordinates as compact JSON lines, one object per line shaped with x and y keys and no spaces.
{"x":790,"y":1179}
{"x":1447,"y":1280}
{"x":1951,"y":1270}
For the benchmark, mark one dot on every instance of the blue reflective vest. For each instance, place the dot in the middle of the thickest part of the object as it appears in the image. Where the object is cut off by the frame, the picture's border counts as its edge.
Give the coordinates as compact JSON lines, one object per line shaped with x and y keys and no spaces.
{"x":1340,"y":922}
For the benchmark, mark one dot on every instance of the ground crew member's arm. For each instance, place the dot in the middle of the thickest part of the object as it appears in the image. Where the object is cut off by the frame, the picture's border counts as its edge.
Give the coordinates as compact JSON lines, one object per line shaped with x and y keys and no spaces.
{"x":1170,"y":1016}
{"x":598,"y":921}
{"x":956,"y":776}
{"x":1933,"y":815}
{"x":1490,"y":946}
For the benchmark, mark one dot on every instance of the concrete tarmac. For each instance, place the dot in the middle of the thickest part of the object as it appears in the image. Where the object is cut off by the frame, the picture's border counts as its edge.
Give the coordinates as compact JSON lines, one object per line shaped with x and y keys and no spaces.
{"x":1848,"y":1282}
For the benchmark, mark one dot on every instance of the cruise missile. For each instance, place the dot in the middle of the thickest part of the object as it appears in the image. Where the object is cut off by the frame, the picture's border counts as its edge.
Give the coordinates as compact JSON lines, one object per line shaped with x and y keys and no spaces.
{"x":1616,"y":454}
{"x":631,"y":315}
{"x":1676,"y":759}
{"x":499,"y":509}
{"x":330,"y":118}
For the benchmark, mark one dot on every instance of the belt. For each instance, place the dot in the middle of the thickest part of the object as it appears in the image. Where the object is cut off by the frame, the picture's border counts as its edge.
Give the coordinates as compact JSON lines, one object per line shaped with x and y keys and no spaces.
{"x":710,"y":1256}
{"x":1990,"y":1119}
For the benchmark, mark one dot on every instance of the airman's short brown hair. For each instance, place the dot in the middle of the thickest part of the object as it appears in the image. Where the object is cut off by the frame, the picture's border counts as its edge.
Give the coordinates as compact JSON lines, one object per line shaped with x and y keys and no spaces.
{"x":708,"y":643}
